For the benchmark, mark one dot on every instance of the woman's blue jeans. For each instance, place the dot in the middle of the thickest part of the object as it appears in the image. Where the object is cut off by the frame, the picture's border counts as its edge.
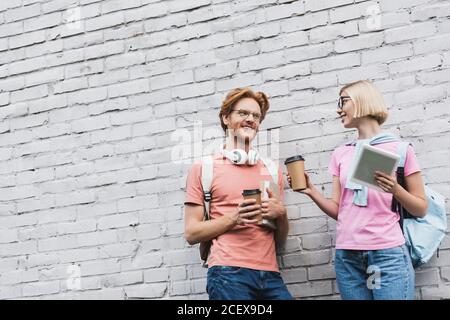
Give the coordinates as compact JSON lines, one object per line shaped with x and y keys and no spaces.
{"x":385,"y":274}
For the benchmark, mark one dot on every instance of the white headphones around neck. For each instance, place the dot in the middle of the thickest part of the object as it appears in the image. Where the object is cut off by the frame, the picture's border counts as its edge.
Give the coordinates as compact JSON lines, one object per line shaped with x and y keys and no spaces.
{"x":240,"y":157}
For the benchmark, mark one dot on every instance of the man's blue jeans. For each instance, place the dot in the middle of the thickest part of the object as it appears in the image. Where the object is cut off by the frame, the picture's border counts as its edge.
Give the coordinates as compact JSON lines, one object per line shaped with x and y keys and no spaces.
{"x":385,"y":274}
{"x":235,"y":283}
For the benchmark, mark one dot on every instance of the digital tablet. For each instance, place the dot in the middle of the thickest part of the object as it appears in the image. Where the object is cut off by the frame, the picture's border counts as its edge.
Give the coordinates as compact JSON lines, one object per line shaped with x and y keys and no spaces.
{"x":372,"y":159}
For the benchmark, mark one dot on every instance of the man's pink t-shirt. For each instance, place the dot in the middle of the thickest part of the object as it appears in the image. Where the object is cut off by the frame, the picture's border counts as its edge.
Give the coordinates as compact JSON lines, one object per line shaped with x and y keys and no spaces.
{"x":375,"y":226}
{"x":247,"y":246}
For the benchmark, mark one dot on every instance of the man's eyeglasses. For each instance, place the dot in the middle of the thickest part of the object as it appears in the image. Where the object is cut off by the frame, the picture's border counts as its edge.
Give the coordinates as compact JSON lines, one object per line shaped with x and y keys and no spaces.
{"x":341,"y":101}
{"x":244,"y":114}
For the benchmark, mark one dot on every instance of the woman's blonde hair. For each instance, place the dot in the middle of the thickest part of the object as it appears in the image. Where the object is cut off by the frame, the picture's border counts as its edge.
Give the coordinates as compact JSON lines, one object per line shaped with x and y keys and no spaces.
{"x":367,"y":100}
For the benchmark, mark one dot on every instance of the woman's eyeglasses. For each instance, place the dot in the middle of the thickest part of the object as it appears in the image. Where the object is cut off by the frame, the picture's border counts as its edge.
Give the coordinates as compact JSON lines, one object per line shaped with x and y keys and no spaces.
{"x":341,"y":101}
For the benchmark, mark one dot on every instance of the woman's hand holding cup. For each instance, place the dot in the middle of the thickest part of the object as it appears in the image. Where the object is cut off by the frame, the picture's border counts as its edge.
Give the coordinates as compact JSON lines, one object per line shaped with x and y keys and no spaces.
{"x":309,"y":186}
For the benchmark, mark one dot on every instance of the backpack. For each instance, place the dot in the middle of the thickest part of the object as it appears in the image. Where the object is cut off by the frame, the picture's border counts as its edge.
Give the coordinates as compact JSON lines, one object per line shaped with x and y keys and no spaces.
{"x":423,"y":235}
{"x":207,"y":177}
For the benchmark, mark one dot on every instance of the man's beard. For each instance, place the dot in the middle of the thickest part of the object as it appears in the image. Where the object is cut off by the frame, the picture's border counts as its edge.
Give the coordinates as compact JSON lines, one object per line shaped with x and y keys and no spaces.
{"x":237,"y":138}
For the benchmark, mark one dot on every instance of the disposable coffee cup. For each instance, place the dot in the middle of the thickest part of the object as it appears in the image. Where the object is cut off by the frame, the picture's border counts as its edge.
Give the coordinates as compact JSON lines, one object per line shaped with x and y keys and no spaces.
{"x":296,"y":168}
{"x":253,"y":194}
{"x":256,"y":194}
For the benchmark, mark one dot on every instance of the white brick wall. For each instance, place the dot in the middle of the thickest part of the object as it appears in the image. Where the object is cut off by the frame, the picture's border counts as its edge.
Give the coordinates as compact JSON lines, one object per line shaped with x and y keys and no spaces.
{"x":90,"y":95}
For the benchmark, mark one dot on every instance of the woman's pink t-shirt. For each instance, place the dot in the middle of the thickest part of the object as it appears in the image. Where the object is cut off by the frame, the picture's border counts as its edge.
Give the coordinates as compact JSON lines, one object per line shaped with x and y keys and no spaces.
{"x":375,"y":226}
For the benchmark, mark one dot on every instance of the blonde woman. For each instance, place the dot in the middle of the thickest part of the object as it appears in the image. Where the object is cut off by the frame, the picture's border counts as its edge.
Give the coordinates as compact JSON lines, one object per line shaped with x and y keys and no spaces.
{"x":372,"y":261}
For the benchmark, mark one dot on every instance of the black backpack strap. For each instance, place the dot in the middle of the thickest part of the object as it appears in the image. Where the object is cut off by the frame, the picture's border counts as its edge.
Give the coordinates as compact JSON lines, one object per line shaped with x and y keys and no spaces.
{"x":396,"y":206}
